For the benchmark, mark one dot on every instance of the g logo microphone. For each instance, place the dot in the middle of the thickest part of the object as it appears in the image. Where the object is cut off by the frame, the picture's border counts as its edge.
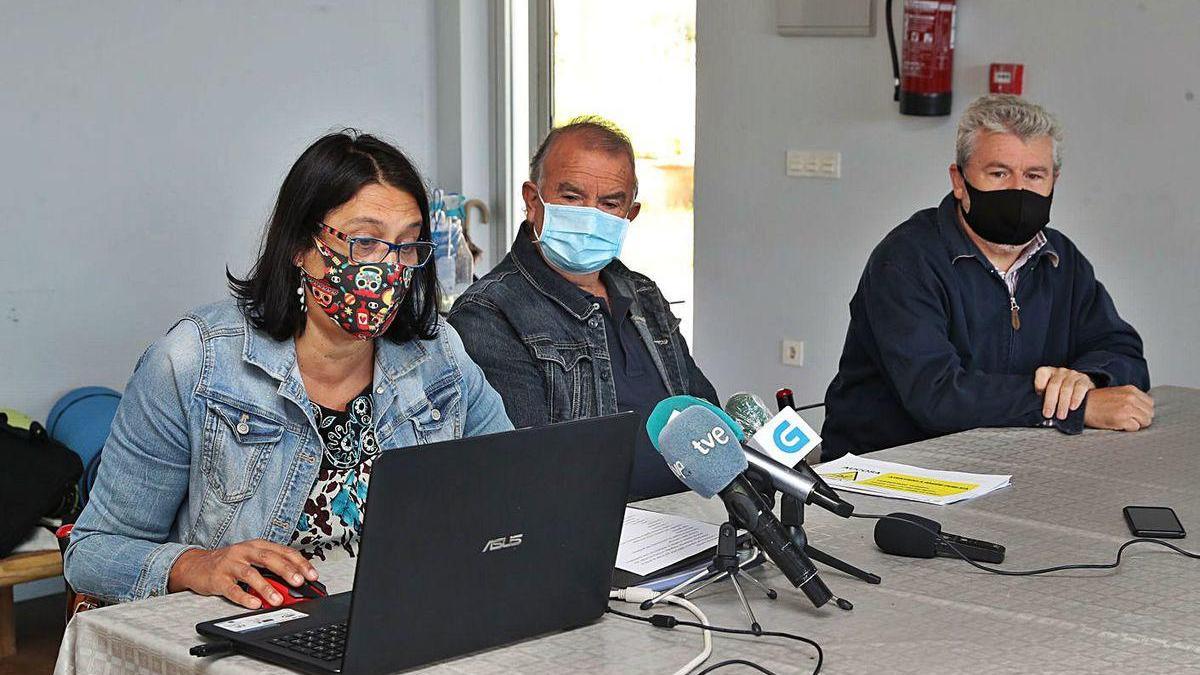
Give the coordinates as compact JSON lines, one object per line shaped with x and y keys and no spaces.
{"x":789,"y":438}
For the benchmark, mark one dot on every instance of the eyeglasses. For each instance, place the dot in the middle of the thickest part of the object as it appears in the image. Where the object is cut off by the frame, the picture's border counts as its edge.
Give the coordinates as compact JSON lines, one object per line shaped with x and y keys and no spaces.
{"x":366,"y":250}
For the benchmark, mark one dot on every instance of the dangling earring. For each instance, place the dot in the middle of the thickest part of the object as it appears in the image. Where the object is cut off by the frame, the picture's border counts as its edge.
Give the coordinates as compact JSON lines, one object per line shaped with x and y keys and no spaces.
{"x":300,"y":292}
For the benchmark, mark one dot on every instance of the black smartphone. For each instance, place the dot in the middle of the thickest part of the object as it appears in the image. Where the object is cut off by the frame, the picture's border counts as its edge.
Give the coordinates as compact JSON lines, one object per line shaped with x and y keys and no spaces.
{"x":1158,"y":522}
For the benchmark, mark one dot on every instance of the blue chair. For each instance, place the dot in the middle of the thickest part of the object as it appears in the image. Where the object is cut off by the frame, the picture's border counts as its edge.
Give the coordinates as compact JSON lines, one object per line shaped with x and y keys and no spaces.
{"x":81,"y":420}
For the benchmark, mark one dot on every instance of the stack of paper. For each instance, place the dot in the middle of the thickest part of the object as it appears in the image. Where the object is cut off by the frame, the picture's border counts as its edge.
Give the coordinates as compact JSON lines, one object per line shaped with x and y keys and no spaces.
{"x":653,"y":542}
{"x":660,"y":550}
{"x":901,"y":481}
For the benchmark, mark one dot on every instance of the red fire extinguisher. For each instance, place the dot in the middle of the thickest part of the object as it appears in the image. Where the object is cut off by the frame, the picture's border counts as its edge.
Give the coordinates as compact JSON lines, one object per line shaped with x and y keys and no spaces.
{"x":922,"y":73}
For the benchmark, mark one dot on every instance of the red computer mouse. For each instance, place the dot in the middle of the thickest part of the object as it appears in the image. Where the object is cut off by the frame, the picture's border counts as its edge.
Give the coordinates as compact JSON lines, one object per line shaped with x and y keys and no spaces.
{"x":291,"y":595}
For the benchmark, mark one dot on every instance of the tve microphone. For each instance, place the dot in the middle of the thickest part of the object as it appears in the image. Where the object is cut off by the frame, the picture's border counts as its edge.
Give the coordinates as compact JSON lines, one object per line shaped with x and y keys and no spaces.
{"x":909,"y":535}
{"x":704,"y":452}
{"x":800,"y":481}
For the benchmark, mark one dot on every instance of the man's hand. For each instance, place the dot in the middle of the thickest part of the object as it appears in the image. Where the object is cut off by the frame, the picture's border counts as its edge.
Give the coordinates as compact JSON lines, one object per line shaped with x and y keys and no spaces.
{"x":218,"y":572}
{"x":1063,"y":390}
{"x":1119,"y":408}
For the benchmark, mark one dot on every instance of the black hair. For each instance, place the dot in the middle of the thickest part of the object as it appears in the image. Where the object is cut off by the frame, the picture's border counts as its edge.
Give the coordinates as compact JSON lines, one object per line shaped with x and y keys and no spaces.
{"x":598,"y":132}
{"x":328,"y":174}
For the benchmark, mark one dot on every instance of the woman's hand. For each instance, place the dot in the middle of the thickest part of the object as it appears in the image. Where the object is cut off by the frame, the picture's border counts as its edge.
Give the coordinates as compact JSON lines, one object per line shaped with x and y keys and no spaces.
{"x":218,"y":572}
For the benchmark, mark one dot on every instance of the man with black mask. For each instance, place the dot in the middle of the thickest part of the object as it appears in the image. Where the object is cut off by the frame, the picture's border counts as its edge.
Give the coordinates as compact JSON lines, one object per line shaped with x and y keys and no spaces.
{"x":975,"y":314}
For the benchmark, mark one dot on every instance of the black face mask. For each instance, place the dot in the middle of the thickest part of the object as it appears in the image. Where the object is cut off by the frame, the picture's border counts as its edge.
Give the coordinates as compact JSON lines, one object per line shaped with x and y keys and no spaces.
{"x":1011,"y":217}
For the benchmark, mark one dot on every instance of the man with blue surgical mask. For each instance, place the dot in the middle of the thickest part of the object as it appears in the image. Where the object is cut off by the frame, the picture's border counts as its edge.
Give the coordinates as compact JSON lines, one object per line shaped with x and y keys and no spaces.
{"x":562,"y":329}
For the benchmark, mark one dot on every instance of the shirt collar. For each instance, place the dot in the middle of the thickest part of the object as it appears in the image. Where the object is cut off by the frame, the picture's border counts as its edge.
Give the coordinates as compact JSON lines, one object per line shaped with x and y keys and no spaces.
{"x":278,"y":358}
{"x":1039,"y":242}
{"x":275,"y":357}
{"x":960,"y":246}
{"x":619,"y":304}
{"x":537,"y":271}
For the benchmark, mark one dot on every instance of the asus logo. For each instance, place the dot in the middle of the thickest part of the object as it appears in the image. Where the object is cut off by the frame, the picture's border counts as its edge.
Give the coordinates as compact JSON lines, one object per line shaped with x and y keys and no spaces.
{"x":503,"y":542}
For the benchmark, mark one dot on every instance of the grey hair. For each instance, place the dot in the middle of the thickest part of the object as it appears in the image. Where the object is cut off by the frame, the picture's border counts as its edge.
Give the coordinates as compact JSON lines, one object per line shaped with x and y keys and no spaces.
{"x":1008,"y":114}
{"x":600,"y":134}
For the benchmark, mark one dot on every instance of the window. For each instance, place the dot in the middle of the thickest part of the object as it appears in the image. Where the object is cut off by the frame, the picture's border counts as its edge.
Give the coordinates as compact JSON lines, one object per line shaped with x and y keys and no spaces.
{"x":634,"y":63}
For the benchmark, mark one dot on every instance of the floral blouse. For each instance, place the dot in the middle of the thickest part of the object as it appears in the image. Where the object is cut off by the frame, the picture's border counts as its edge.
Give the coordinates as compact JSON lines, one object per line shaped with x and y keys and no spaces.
{"x":332,"y":519}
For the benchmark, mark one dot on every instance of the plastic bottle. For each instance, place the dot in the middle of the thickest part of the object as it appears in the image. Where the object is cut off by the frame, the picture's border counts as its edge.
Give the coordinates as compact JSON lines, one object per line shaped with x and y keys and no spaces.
{"x":464,"y":262}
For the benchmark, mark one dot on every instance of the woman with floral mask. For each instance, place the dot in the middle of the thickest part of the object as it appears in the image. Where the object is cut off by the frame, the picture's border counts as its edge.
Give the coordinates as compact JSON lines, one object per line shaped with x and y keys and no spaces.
{"x":246,"y":436}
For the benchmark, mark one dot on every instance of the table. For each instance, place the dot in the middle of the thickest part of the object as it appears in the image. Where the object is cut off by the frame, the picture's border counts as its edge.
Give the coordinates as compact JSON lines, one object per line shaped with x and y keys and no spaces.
{"x":18,"y":568}
{"x":928,"y":616}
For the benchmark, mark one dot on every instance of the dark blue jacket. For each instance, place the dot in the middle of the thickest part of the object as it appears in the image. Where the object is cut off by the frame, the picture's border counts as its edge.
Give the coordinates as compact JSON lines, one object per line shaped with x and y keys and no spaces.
{"x":932,"y":350}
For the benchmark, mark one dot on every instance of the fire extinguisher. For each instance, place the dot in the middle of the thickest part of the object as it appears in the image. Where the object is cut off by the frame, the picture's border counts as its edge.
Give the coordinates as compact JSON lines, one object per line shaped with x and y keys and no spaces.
{"x":922,"y":73}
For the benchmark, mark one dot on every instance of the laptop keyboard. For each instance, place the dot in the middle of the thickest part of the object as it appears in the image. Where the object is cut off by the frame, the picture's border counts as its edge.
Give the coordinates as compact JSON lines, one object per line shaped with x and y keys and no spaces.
{"x":327,"y":643}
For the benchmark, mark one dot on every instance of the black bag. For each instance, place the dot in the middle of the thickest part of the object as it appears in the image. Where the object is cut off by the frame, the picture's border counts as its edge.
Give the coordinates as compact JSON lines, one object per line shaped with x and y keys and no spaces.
{"x":39,"y":478}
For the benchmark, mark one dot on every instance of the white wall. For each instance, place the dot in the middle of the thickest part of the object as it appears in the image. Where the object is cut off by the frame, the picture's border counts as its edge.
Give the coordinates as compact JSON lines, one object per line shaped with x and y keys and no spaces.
{"x":779,"y":256}
{"x":143,"y":145}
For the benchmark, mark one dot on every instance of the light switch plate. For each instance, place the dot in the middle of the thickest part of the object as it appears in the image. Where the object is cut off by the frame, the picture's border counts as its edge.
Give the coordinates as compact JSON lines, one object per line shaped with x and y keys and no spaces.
{"x":814,"y":163}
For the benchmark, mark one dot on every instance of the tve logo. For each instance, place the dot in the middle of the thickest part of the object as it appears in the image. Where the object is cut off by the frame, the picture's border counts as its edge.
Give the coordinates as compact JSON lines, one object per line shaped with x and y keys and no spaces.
{"x":787,"y":438}
{"x":714,"y":438}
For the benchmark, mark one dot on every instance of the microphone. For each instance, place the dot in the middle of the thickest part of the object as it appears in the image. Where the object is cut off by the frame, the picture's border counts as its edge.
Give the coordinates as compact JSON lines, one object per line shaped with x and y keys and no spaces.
{"x":916,"y":537}
{"x":748,"y":410}
{"x":785,"y":437}
{"x":784,"y":399}
{"x":796,"y":484}
{"x":770,"y":433}
{"x":705,"y":453}
{"x":804,"y":485}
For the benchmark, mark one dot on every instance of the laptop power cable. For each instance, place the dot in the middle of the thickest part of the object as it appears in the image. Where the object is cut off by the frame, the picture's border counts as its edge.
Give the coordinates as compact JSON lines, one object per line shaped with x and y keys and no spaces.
{"x":637,"y":596}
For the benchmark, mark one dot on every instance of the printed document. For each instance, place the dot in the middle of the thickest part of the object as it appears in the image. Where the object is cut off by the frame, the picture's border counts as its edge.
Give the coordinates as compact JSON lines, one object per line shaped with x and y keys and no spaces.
{"x":852,"y":473}
{"x":653,"y":541}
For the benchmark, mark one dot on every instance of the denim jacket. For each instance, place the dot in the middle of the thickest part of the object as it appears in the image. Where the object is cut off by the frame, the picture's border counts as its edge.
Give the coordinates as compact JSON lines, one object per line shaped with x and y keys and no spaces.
{"x":542,"y":342}
{"x":214,"y":443}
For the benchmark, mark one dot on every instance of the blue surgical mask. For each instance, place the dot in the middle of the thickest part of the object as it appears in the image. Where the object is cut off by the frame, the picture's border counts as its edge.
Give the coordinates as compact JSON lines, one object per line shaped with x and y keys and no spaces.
{"x":580,"y":239}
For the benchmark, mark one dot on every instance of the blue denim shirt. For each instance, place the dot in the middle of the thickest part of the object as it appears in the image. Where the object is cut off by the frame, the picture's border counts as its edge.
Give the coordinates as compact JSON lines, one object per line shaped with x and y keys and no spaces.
{"x":214,"y":443}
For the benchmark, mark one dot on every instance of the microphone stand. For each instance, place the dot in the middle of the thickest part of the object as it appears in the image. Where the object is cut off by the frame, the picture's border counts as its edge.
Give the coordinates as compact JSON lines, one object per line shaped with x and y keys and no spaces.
{"x":723,"y":566}
{"x":791,"y":512}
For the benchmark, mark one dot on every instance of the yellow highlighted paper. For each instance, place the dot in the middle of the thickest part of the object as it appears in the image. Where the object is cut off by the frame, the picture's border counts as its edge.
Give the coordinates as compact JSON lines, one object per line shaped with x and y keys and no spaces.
{"x":903,"y":481}
{"x":918,"y":484}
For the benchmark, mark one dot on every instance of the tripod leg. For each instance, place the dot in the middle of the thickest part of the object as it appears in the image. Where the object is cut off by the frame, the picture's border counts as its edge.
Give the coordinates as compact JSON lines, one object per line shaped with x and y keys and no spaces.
{"x":704,"y":584}
{"x":683,"y":584}
{"x":718,"y":577}
{"x":769,"y":592}
{"x":733,"y":579}
{"x":841,"y":565}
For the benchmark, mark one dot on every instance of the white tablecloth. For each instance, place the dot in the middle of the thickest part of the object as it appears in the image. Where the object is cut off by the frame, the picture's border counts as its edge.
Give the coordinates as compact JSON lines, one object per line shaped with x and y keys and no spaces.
{"x":928,"y":616}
